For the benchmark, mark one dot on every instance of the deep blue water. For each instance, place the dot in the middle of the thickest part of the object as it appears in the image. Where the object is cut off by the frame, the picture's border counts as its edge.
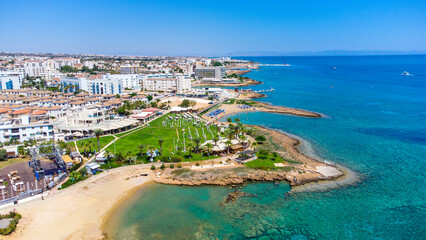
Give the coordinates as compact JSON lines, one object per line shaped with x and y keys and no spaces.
{"x":376,"y":126}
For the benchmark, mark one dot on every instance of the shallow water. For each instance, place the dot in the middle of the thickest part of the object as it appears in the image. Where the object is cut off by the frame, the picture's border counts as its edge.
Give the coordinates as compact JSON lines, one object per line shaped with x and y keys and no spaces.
{"x":376,"y":127}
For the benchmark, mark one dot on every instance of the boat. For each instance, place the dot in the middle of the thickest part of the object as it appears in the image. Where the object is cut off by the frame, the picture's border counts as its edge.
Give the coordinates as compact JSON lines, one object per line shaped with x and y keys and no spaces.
{"x":405,"y":73}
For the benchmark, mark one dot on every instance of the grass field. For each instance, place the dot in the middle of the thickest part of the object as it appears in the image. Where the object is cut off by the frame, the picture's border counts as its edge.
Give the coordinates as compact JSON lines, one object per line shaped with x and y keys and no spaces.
{"x":103,"y":141}
{"x":265,"y":160}
{"x":11,"y":161}
{"x":170,"y":130}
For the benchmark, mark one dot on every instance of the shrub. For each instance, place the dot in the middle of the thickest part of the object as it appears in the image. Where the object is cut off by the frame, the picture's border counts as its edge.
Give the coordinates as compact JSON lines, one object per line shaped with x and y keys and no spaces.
{"x":172,"y":166}
{"x":197,"y":164}
{"x":76,"y":166}
{"x":179,"y":165}
{"x":12,"y":225}
{"x":152,"y":167}
{"x":177,"y":159}
{"x":260,"y":139}
{"x":162,"y":166}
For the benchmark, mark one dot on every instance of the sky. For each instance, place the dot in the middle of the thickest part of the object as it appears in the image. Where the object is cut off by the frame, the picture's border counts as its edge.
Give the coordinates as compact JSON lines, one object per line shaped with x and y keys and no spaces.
{"x":215,"y":28}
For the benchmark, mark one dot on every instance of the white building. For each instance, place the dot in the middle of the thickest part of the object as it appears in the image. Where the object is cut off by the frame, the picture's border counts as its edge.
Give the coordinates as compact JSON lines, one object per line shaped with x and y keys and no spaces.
{"x":23,"y":129}
{"x":130,"y":81}
{"x":11,"y":80}
{"x":183,"y":84}
{"x":166,"y":83}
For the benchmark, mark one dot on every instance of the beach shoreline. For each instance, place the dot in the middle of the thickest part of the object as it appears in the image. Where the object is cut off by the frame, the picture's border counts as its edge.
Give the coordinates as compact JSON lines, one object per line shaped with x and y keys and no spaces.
{"x":306,"y":170}
{"x":79,"y":211}
{"x":120,"y":185}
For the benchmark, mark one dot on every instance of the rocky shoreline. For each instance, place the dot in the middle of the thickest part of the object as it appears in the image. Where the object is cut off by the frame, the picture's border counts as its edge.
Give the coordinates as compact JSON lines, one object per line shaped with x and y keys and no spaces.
{"x":298,"y":170}
{"x":287,"y":110}
{"x":237,"y":176}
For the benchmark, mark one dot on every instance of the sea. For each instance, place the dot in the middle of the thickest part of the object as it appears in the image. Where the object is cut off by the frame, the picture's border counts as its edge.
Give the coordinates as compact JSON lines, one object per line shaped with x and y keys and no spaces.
{"x":375,"y":125}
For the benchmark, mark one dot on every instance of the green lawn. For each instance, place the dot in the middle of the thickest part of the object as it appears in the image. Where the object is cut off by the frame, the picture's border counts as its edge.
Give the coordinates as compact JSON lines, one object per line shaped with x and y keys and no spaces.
{"x":169,"y":132}
{"x":265,"y":160}
{"x":123,"y":133}
{"x":103,"y":141}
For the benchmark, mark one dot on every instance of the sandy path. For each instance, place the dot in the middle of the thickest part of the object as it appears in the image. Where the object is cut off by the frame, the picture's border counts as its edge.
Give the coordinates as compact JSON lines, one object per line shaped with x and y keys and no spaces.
{"x":78,"y":211}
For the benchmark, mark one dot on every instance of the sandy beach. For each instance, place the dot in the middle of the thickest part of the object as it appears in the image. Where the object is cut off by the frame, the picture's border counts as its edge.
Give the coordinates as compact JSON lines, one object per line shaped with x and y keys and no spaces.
{"x":78,"y":211}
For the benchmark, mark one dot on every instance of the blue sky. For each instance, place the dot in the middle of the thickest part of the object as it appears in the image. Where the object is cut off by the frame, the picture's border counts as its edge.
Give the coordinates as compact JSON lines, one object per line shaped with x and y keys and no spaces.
{"x":211,"y":27}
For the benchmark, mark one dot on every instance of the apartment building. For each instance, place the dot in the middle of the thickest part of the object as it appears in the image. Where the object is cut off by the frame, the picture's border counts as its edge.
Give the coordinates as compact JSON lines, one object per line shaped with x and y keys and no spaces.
{"x":166,"y":83}
{"x":210,"y":72}
{"x":11,"y":80}
{"x":25,"y":126}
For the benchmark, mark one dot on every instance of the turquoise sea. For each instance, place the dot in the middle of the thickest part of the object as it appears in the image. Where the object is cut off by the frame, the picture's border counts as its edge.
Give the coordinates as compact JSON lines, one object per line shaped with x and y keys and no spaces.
{"x":376,"y":126}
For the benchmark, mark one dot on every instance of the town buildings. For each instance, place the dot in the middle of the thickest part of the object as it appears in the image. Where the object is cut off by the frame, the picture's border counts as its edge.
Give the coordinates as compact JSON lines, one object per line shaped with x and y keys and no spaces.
{"x":210,"y":73}
{"x":11,"y":80}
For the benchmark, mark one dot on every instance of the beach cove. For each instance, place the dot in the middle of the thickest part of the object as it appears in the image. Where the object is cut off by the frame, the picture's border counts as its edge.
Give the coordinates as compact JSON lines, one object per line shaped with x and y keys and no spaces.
{"x":366,"y":100}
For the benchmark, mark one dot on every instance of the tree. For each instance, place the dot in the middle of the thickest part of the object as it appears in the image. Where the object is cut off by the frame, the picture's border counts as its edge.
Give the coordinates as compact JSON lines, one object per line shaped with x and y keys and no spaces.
{"x":67,"y":69}
{"x":141,"y":147}
{"x":129,"y":156}
{"x":217,"y":64}
{"x":149,"y":97}
{"x":228,"y":144}
{"x":209,"y":147}
{"x":229,"y":120}
{"x":160,"y":142}
{"x":215,"y":140}
{"x":190,"y":148}
{"x":260,"y":139}
{"x":119,"y":157}
{"x":152,"y":167}
{"x":98,"y":132}
{"x":3,"y":155}
{"x":254,"y":144}
{"x":197,"y":143}
{"x":108,"y":154}
{"x":162,"y":167}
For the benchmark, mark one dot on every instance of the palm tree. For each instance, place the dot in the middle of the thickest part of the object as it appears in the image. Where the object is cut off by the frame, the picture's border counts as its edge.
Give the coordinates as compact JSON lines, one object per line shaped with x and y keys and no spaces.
{"x":98,"y":132}
{"x":254,"y":144}
{"x":229,"y":120}
{"x":89,"y":144}
{"x":141,"y":147}
{"x":209,"y":146}
{"x":243,"y":138}
{"x":129,"y":156}
{"x":179,"y":149}
{"x":228,"y":144}
{"x":197,"y":143}
{"x":83,"y":146}
{"x":230,"y":134}
{"x":161,"y":141}
{"x":215,"y":140}
{"x":189,"y":146}
{"x":108,"y":154}
{"x":119,"y":157}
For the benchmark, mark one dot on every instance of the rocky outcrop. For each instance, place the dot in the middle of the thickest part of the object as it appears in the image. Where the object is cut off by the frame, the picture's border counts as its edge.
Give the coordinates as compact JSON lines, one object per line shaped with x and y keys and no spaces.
{"x":237,"y":176}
